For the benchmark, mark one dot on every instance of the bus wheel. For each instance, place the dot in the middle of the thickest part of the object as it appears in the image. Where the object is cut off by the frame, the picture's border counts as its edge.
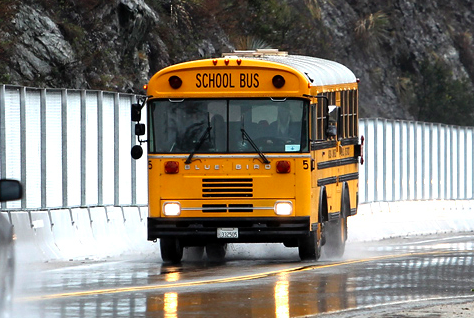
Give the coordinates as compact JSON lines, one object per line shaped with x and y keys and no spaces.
{"x":336,"y":236}
{"x":216,"y":252}
{"x":171,"y":250}
{"x":309,"y":247}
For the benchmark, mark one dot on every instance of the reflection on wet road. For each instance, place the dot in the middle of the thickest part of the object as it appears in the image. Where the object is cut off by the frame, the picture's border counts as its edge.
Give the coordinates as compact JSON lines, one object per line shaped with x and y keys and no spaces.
{"x":371,"y":274}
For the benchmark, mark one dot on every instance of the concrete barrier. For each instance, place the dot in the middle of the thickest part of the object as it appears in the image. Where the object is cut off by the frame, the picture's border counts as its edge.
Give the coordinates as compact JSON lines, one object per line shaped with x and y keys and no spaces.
{"x":65,"y":233}
{"x":103,"y":232}
{"x":82,"y":233}
{"x":33,"y":235}
{"x":381,"y":220}
{"x":135,"y":220}
{"x":24,"y":235}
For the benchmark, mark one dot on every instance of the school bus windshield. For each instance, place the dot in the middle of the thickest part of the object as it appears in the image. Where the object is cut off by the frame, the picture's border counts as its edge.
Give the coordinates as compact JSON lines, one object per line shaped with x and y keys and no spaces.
{"x":222,"y":125}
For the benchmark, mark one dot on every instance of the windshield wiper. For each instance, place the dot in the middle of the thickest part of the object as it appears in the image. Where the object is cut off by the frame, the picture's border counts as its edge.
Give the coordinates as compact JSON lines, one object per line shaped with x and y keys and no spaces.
{"x":201,"y":141}
{"x":246,"y":136}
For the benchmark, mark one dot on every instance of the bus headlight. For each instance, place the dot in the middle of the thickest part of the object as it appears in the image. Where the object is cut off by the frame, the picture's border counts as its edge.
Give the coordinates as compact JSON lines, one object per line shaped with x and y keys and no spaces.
{"x":283,"y":208}
{"x":171,"y":208}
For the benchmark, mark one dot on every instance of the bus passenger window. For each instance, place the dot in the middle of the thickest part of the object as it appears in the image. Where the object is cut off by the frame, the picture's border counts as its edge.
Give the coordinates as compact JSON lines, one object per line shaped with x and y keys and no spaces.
{"x":332,"y":124}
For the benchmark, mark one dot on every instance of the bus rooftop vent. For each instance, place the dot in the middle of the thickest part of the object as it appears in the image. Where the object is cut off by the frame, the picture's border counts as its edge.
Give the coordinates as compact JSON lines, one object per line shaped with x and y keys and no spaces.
{"x":255,"y":53}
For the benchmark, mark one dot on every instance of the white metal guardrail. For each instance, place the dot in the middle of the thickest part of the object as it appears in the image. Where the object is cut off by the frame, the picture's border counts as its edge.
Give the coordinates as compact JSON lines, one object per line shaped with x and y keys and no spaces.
{"x":407,"y":160}
{"x":71,"y":151}
{"x":71,"y":148}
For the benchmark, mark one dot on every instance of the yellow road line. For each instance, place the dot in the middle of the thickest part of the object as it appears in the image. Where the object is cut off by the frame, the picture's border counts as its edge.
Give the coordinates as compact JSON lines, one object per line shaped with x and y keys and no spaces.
{"x":218,"y":281}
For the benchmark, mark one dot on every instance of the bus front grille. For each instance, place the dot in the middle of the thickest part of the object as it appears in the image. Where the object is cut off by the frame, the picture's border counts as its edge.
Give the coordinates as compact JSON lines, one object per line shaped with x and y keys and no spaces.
{"x":213,"y":208}
{"x":227,"y":188}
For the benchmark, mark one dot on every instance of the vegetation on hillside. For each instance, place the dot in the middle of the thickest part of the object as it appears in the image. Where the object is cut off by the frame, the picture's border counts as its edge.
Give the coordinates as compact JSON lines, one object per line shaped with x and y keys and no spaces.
{"x":437,"y":97}
{"x":7,"y":13}
{"x":429,"y":89}
{"x":118,"y":45}
{"x":291,"y":26}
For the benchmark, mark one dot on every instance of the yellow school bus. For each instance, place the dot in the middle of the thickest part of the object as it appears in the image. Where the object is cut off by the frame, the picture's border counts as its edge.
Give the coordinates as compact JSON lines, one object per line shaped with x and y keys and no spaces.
{"x":255,"y":146}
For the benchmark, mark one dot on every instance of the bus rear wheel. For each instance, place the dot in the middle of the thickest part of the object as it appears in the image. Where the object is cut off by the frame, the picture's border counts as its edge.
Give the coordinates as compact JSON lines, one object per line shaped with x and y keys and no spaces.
{"x":309,"y":248}
{"x":216,"y":252}
{"x":171,"y":250}
{"x":336,"y":236}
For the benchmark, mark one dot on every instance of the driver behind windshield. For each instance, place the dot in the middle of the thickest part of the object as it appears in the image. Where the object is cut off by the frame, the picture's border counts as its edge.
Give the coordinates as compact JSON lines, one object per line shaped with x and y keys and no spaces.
{"x":190,"y":125}
{"x":283,"y":127}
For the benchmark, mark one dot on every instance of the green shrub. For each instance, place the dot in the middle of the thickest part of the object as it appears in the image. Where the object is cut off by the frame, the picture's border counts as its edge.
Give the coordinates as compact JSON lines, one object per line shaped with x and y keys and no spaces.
{"x":372,"y":29}
{"x":440,"y":98}
{"x":249,"y":42}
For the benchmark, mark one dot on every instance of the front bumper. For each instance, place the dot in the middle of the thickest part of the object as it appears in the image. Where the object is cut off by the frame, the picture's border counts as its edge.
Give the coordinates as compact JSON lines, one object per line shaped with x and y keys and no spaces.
{"x":201,"y":231}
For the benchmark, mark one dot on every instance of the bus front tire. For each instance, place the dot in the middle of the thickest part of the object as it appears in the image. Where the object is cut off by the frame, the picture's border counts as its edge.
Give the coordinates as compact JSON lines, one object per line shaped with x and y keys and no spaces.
{"x":171,"y":250}
{"x":309,"y":248}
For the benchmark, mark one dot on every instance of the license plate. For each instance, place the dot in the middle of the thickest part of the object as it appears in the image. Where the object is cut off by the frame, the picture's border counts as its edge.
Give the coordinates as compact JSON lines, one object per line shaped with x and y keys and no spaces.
{"x":227,"y":232}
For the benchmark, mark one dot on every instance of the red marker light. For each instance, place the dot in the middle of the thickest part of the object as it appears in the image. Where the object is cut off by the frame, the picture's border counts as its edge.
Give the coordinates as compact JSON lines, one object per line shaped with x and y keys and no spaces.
{"x":239,"y":61}
{"x":283,"y":166}
{"x":226,"y":61}
{"x":171,"y":167}
{"x":278,"y":81}
{"x":175,"y":82}
{"x":145,"y":87}
{"x":214,"y":62}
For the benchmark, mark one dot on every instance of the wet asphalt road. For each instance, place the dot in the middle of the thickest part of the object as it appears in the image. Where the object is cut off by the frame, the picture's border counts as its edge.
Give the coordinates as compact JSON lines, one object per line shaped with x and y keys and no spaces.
{"x":269,"y":281}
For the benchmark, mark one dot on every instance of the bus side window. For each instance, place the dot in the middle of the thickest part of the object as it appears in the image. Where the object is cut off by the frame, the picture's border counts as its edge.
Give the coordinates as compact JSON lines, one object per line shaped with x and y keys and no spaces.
{"x":313,"y":115}
{"x":320,"y":120}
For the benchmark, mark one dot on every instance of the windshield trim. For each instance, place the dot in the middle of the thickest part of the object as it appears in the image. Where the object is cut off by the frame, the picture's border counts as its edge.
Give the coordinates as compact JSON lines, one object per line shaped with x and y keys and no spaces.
{"x":303,"y":141}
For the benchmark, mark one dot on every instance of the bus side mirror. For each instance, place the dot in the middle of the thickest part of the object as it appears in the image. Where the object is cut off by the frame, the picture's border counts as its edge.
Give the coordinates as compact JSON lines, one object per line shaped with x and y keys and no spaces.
{"x":10,"y":190}
{"x":332,"y":121}
{"x":136,"y":152}
{"x":139,"y":129}
{"x":136,"y":112}
{"x":332,"y":130}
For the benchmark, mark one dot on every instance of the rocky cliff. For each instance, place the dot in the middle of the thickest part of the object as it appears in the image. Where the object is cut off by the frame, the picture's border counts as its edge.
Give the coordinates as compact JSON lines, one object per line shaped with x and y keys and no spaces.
{"x":119,"y":44}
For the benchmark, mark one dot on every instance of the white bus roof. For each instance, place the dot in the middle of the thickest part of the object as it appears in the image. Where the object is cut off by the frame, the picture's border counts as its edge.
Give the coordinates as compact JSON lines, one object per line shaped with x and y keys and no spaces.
{"x":319,"y":72}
